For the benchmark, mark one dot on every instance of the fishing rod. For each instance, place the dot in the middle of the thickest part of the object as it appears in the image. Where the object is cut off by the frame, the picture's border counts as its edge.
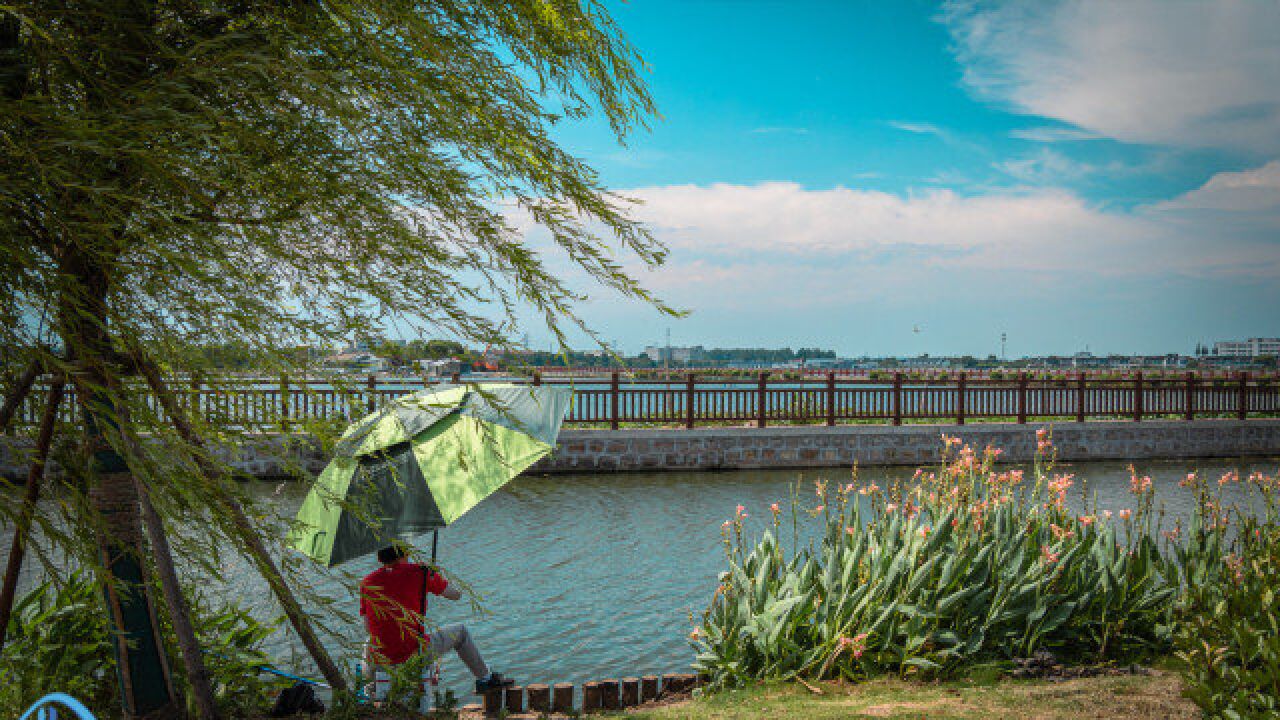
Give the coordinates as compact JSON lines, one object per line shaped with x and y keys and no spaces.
{"x":270,"y":670}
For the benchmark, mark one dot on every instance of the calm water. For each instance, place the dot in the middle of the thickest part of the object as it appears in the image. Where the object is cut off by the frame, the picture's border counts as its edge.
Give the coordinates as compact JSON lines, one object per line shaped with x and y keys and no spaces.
{"x":596,"y":575}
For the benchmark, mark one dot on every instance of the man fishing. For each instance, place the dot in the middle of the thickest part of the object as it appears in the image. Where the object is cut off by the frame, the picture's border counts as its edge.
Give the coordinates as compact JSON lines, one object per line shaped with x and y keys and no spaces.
{"x":393,"y":601}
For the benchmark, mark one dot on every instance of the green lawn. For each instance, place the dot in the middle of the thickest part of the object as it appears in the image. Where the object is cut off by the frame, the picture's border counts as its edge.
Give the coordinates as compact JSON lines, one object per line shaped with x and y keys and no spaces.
{"x":1131,"y":696}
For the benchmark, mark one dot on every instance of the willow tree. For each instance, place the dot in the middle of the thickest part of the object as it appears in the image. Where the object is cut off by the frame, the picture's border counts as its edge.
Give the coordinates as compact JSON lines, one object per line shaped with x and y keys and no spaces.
{"x":179,"y":174}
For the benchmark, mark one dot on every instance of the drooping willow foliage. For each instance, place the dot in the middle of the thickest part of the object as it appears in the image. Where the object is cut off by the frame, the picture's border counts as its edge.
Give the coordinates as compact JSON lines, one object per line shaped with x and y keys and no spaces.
{"x":271,"y":176}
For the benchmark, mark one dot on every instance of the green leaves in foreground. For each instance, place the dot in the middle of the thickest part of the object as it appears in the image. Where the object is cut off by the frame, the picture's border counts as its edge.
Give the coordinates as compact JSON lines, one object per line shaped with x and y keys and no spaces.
{"x":966,"y":563}
{"x":59,"y":641}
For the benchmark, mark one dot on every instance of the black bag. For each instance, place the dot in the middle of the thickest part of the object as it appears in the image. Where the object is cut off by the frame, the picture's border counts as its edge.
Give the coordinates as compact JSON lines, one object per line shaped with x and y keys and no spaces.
{"x":301,"y":698}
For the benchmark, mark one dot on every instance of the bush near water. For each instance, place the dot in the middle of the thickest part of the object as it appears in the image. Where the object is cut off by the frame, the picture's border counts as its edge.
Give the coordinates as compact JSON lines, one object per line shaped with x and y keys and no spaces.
{"x":972,"y":564}
{"x":59,"y":641}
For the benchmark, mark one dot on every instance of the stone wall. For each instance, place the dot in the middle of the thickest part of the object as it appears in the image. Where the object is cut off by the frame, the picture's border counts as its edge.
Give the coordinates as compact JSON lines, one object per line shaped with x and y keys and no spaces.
{"x":799,"y":447}
{"x":604,"y":451}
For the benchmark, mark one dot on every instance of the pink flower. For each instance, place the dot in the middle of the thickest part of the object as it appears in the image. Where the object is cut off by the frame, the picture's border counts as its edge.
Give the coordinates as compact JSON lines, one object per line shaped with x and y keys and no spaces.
{"x":740,"y":509}
{"x":1139,"y":485}
{"x":924,"y":531}
{"x":891,"y":507}
{"x":851,"y":530}
{"x":1087,"y":520}
{"x":1126,"y":514}
{"x":1047,"y":555}
{"x":726,"y":524}
{"x":1042,"y":433}
{"x":1106,"y":514}
{"x":774,"y":509}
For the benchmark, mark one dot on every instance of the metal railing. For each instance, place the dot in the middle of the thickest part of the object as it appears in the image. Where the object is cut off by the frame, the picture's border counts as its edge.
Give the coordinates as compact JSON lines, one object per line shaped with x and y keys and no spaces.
{"x":691,"y":400}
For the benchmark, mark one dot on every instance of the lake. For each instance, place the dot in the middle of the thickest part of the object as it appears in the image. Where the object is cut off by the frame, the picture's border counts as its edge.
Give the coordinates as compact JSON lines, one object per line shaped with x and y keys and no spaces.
{"x":593,"y":576}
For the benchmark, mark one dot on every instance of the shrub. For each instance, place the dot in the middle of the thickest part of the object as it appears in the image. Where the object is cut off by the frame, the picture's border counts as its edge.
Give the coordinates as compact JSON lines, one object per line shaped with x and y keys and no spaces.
{"x":968,"y":563}
{"x":58,"y":640}
{"x":1229,"y":615}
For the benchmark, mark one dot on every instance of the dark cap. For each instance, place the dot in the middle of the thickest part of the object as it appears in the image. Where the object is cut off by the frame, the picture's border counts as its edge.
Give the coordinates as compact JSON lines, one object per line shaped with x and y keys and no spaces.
{"x":390,"y":554}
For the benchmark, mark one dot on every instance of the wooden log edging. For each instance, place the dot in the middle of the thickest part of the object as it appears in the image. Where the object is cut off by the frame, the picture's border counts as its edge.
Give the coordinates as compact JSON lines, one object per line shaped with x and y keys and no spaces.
{"x":607,"y":695}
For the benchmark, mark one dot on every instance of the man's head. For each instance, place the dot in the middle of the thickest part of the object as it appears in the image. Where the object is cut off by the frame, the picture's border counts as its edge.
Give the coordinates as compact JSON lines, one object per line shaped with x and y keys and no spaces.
{"x":391,"y":554}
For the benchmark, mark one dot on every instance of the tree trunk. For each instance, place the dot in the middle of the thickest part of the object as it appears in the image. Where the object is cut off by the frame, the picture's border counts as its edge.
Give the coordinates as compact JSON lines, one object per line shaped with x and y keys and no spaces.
{"x":179,"y":614}
{"x":244,"y":527}
{"x":44,"y":439}
{"x":16,"y":394}
{"x":146,"y":688}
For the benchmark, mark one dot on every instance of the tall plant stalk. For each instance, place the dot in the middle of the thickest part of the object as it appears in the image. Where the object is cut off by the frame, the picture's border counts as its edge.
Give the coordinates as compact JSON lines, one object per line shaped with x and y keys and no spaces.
{"x":248,"y":536}
{"x":30,"y":496}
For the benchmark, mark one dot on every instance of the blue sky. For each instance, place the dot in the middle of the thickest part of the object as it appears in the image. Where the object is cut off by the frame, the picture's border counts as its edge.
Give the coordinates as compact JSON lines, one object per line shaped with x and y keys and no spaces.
{"x":904,"y":177}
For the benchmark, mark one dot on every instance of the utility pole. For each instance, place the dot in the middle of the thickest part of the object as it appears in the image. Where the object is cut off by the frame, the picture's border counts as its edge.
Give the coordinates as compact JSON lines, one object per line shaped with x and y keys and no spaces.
{"x":1003,"y":337}
{"x":666,"y":356}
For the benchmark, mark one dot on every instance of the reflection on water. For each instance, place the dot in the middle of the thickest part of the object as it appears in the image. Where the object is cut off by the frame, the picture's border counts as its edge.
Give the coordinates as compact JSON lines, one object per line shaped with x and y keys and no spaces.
{"x":589,"y":576}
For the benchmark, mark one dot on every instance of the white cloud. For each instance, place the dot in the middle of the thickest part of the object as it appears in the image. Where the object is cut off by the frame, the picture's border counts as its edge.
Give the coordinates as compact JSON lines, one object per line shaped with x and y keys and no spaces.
{"x":1052,"y":134}
{"x":1256,"y":190}
{"x":1194,"y":74}
{"x":917,"y":128}
{"x":1045,"y":166}
{"x":782,"y":227}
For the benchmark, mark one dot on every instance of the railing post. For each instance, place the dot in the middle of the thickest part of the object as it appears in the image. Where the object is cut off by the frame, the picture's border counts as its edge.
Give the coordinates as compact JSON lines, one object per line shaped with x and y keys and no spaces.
{"x":831,"y":399}
{"x":613,"y":401}
{"x":761,"y":399}
{"x":1189,"y":399}
{"x":688,"y":402}
{"x":373,"y":388}
{"x":1080,"y":394}
{"x":455,"y":378}
{"x":1022,"y":398}
{"x":284,"y":403}
{"x":537,"y":378}
{"x":897,"y":398}
{"x":1242,"y":397}
{"x":961,"y":389}
{"x":1137,"y":396}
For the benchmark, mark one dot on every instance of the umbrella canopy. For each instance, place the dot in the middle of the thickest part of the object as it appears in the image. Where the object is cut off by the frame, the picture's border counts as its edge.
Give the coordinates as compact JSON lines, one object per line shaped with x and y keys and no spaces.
{"x":422,"y":461}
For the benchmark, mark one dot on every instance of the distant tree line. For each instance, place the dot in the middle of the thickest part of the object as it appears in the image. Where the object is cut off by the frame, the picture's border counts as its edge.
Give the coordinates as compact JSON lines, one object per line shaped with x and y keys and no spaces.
{"x":765,"y":355}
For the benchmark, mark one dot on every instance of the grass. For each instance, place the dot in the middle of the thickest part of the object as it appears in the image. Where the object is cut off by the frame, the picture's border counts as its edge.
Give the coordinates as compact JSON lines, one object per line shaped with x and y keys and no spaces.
{"x":1125,"y":697}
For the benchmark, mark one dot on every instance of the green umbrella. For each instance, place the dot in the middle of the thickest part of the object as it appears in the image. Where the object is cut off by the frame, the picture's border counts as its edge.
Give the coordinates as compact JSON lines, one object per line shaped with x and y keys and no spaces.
{"x":422,"y":461}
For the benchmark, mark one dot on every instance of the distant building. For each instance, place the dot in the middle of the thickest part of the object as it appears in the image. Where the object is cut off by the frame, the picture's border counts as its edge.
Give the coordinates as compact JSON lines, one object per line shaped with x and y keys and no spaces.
{"x":1247,"y":349}
{"x":925,"y":362}
{"x":446,"y":367}
{"x":356,"y":362}
{"x":678,"y":355}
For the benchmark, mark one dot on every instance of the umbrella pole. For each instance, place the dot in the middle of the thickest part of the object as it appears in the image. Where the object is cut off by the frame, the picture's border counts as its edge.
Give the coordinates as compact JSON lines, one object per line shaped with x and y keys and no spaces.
{"x":435,"y":543}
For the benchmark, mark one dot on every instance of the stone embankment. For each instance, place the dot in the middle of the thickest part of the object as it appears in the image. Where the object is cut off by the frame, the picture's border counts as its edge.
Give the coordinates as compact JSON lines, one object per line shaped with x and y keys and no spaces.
{"x":609,"y":451}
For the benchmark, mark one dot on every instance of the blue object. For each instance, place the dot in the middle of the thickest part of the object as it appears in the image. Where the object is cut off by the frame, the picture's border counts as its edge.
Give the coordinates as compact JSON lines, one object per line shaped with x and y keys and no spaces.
{"x":46,"y":708}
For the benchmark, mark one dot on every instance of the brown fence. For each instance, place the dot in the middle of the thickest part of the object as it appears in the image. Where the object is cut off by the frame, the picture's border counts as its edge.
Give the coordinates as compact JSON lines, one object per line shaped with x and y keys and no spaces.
{"x":691,"y":400}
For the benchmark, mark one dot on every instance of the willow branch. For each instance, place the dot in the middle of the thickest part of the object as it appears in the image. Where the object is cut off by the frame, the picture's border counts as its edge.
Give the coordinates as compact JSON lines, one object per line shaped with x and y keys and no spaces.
{"x":240,"y":520}
{"x":35,"y":473}
{"x":18,"y":393}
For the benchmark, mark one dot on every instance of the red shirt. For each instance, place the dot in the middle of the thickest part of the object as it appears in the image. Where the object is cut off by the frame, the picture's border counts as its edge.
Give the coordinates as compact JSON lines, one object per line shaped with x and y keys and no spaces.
{"x":392,"y":602}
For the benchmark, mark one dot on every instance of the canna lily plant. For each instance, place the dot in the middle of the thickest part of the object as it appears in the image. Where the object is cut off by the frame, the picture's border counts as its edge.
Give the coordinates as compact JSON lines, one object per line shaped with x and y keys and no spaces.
{"x":966,"y":562}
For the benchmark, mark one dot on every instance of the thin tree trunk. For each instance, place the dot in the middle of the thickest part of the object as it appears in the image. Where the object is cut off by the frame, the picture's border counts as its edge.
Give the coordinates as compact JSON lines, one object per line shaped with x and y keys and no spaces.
{"x":35,"y":473}
{"x":146,"y":686}
{"x":240,"y":520}
{"x":13,"y":399}
{"x":179,"y":613}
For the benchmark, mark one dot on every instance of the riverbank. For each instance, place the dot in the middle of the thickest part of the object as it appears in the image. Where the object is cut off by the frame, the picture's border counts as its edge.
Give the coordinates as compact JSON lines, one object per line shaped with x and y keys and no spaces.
{"x":1129,"y":697}
{"x":271,"y":455}
{"x":1156,"y":693}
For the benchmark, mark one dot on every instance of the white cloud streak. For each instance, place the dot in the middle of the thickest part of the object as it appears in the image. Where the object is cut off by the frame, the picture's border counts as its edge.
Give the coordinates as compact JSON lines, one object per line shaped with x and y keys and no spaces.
{"x":1188,"y":74}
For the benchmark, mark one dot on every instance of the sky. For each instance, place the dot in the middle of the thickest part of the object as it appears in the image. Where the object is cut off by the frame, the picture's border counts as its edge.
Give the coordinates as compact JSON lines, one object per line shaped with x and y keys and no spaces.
{"x":898,"y":178}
